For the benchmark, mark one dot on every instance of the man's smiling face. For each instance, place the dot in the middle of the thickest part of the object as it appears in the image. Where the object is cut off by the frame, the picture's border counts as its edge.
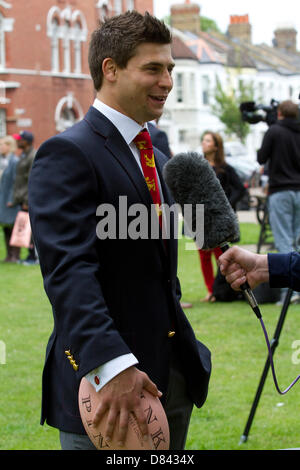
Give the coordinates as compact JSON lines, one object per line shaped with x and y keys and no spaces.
{"x":141,"y":89}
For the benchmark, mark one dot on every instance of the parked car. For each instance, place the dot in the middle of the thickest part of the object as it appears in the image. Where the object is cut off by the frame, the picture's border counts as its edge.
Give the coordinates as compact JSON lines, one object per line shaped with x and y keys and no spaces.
{"x":237,"y":155}
{"x":246,"y":166}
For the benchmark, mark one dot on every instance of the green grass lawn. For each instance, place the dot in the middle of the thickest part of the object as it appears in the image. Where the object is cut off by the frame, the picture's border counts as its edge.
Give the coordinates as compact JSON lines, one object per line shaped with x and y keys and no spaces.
{"x":231,"y":331}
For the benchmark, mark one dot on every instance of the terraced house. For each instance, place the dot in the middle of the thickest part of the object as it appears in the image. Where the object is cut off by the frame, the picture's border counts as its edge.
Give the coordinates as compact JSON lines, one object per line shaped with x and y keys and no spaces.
{"x":203,"y":57}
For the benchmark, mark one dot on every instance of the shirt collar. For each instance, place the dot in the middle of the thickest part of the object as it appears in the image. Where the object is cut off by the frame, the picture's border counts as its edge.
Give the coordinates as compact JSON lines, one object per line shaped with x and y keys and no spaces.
{"x":127,"y":127}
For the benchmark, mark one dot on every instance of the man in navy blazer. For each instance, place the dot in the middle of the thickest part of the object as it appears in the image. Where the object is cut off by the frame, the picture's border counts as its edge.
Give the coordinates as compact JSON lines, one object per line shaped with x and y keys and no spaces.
{"x":115,"y":296}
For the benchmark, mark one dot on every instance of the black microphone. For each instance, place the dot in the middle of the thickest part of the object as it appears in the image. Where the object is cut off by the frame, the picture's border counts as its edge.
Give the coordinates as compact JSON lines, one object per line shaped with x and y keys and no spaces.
{"x":192,"y":180}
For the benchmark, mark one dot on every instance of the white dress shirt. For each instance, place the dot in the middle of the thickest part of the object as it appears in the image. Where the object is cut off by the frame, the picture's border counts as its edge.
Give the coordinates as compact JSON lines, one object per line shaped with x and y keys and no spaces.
{"x":129,"y":129}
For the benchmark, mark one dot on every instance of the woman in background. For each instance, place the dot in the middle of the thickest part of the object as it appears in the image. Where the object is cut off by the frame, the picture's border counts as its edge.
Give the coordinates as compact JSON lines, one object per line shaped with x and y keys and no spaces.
{"x":213,"y":151}
{"x":7,"y":213}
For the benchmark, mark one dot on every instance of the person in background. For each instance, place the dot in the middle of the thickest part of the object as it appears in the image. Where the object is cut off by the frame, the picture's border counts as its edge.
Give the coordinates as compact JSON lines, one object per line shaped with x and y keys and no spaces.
{"x":213,"y":151}
{"x":20,"y":196}
{"x":8,"y":212}
{"x":159,"y":138}
{"x":280,"y":150}
{"x":3,"y":162}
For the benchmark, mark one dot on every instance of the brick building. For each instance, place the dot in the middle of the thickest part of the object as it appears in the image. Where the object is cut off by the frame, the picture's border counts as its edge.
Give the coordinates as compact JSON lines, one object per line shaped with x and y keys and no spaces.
{"x":45,"y":84}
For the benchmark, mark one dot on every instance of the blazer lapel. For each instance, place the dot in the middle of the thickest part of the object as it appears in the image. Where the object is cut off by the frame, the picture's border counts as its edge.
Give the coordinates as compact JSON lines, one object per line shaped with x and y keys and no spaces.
{"x":117,"y":146}
{"x":169,"y":201}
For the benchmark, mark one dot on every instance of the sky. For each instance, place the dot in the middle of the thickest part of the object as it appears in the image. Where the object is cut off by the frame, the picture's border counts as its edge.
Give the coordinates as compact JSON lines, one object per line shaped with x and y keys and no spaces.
{"x":264,"y":15}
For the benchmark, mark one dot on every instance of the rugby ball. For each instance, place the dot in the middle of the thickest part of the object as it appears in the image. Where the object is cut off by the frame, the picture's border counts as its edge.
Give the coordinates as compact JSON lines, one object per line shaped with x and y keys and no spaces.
{"x":159,"y":436}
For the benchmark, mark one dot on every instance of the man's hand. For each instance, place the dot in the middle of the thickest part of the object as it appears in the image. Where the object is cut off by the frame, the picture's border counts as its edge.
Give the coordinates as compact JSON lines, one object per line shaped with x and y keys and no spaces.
{"x":121,"y":396}
{"x":239,"y":265}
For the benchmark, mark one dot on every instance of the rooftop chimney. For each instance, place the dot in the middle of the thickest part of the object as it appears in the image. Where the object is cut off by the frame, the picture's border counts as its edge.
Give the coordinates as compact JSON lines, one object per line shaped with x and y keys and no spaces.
{"x":240,"y":28}
{"x":286,"y":38}
{"x":186,"y":17}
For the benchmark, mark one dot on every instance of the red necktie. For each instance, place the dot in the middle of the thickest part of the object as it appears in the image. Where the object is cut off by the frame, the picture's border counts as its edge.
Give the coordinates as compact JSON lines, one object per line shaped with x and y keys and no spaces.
{"x":144,"y":144}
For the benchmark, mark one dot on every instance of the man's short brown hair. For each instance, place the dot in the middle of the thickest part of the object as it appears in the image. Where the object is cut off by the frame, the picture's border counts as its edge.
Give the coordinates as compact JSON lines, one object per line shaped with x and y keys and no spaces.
{"x":119,"y":36}
{"x":289,"y":109}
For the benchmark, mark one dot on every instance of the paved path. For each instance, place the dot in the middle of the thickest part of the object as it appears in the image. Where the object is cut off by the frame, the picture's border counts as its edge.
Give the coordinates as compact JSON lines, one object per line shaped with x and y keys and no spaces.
{"x":247,"y":216}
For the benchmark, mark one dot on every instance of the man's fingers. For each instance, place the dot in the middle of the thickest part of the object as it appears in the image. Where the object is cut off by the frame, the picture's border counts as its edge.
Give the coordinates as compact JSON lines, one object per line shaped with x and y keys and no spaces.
{"x":111,"y":423}
{"x":100,"y":412}
{"x":235,"y":275}
{"x":236,"y":285}
{"x":123,"y":427}
{"x":151,"y":387}
{"x":142,"y":422}
{"x":232,"y":268}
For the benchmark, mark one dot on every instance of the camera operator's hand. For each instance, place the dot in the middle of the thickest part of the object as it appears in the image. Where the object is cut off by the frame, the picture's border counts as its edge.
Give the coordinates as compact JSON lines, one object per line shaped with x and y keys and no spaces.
{"x":239,"y":265}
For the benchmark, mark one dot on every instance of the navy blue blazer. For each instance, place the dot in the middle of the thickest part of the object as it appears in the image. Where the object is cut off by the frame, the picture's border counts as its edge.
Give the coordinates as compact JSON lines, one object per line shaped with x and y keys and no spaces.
{"x":109,"y":297}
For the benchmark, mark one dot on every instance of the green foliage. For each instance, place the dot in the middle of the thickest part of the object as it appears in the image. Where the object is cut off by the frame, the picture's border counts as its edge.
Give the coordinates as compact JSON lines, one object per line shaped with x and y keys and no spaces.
{"x":207,"y":24}
{"x":227,"y":108}
{"x":231,"y":331}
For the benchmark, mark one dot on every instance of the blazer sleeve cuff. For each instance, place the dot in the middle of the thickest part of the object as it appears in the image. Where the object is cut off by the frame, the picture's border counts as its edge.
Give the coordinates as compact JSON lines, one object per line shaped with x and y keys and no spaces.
{"x":279,"y":269}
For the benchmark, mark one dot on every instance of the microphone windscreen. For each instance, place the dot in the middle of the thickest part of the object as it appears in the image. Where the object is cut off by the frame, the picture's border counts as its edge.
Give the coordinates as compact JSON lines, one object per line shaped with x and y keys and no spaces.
{"x":192,"y":181}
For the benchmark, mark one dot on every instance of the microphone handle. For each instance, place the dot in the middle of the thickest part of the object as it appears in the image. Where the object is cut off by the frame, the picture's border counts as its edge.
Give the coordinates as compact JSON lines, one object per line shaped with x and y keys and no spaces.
{"x":247,"y":291}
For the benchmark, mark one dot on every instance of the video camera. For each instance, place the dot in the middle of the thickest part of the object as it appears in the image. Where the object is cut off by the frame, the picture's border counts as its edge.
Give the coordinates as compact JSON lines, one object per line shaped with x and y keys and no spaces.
{"x":251,"y":112}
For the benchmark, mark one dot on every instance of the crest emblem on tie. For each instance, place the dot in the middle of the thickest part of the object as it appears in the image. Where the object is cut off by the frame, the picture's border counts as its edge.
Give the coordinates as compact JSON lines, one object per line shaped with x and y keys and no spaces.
{"x":141,"y":144}
{"x":149,"y":160}
{"x":151,"y":183}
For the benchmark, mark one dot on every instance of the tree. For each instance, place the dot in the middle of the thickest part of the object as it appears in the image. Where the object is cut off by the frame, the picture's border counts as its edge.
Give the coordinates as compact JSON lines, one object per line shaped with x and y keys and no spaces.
{"x":207,"y":24}
{"x":227,"y":108}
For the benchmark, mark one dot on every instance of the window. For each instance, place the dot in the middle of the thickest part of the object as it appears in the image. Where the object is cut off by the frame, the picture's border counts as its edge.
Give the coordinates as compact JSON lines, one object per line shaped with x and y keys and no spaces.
{"x":77,"y":48}
{"x":179,"y":87}
{"x":130,"y":5}
{"x":68,"y":111}
{"x":192,"y":89}
{"x":261,"y":91}
{"x":66,"y":46}
{"x":67,"y":29}
{"x":118,"y":7}
{"x":182,"y":135}
{"x":2,"y":122}
{"x":205,"y":90}
{"x":55,"y":45}
{"x":2,"y":42}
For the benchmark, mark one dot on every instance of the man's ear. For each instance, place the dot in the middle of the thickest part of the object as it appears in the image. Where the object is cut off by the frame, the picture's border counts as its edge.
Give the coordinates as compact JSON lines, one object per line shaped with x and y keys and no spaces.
{"x":109,"y":69}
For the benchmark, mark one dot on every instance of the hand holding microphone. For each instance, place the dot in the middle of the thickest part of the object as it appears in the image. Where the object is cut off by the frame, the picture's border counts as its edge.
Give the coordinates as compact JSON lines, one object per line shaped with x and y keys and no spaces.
{"x":239,"y":265}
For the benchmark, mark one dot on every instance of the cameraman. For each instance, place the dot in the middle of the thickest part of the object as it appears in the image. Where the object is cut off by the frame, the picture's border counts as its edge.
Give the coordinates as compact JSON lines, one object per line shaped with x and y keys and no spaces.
{"x":281,"y":150}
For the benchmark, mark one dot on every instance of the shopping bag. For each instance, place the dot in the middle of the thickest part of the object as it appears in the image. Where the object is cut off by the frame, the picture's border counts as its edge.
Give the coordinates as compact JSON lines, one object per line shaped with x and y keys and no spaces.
{"x":21,"y":234}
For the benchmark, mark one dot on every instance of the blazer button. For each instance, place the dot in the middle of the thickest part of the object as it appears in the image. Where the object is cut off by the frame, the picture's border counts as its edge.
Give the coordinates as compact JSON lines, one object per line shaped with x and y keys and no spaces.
{"x":171,"y":334}
{"x":75,"y":367}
